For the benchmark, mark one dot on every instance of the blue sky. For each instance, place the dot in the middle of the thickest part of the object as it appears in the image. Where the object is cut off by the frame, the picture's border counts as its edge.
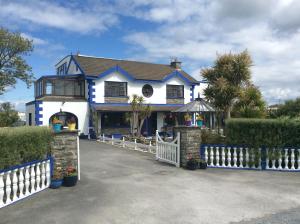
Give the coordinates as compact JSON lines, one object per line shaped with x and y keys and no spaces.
{"x":195,"y":31}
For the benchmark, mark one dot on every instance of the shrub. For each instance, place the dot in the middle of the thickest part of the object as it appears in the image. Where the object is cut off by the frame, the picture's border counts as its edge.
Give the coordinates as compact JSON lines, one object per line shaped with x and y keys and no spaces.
{"x":23,"y":144}
{"x":209,"y":137}
{"x":263,"y":132}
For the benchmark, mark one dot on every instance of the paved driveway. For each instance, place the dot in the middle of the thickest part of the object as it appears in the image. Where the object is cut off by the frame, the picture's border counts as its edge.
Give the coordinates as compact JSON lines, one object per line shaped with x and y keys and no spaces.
{"x":122,"y":186}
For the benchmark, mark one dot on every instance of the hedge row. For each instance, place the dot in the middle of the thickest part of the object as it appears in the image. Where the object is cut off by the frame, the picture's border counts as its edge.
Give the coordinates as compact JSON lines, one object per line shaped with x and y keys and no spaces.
{"x":23,"y":144}
{"x":263,"y":132}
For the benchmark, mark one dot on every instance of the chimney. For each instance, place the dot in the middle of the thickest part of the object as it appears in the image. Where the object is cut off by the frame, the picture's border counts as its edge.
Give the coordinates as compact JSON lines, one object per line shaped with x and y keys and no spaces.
{"x":175,"y":63}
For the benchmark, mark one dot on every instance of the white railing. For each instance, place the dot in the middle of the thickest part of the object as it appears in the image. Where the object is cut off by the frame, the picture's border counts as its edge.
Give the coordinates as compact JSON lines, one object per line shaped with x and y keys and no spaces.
{"x":223,"y":156}
{"x":283,"y":159}
{"x":168,"y":152}
{"x":128,"y":144}
{"x":24,"y":180}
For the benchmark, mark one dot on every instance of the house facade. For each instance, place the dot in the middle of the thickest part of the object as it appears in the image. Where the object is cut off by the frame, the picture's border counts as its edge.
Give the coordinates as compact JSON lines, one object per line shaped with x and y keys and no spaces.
{"x":96,"y":92}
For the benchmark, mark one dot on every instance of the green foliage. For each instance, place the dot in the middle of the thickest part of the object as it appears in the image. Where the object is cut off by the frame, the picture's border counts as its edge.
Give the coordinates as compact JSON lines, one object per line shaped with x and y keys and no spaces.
{"x":230,"y":73}
{"x":271,"y":133}
{"x":290,"y":108}
{"x":23,"y":144}
{"x":8,"y":116}
{"x":13,"y":47}
{"x":209,"y":137}
{"x":250,"y":104}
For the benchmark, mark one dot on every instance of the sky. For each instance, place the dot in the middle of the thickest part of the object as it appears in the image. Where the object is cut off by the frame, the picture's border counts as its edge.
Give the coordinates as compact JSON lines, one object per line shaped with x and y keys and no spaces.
{"x":194,"y":31}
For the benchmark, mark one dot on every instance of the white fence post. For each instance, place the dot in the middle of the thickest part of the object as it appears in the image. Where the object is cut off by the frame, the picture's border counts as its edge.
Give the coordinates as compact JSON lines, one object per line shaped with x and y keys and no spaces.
{"x":78,"y":158}
{"x":135,"y":144}
{"x":112,"y":139}
{"x":123,"y":142}
{"x":1,"y":190}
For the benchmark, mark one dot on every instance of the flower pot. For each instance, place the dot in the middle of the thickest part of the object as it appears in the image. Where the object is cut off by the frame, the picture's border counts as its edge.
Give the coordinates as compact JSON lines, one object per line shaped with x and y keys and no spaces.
{"x":70,"y":181}
{"x":56,"y":127}
{"x":199,"y":123}
{"x":72,"y":126}
{"x":188,"y":123}
{"x":56,"y":183}
{"x":191,"y":165}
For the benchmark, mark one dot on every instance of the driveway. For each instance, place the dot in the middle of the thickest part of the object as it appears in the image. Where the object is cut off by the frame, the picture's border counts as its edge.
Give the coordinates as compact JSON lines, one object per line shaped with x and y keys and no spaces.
{"x":123,"y":186}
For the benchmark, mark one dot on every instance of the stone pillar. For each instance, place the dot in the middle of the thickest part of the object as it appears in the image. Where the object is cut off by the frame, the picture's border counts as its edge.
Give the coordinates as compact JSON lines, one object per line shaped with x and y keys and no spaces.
{"x":190,"y":140}
{"x":64,"y":149}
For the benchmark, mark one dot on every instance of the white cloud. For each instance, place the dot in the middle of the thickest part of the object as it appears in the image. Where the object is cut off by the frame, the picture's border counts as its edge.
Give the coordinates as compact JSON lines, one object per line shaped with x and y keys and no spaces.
{"x":50,"y":14}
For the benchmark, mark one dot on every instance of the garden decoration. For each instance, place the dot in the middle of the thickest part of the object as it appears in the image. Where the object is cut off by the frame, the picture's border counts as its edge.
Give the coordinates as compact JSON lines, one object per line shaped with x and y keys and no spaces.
{"x":56,"y":124}
{"x":199,"y":120}
{"x":56,"y":179}
{"x":71,"y":177}
{"x":191,"y":162}
{"x":72,"y":124}
{"x":188,"y":119}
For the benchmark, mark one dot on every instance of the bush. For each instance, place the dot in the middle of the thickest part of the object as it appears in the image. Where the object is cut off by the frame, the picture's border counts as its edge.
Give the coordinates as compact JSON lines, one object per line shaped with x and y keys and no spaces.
{"x":23,"y":144}
{"x":263,"y":132}
{"x":209,"y":137}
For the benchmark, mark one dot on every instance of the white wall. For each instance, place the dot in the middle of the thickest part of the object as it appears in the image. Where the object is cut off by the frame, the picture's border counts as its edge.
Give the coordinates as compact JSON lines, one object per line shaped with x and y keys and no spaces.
{"x":30,"y":109}
{"x":159,"y":89}
{"x":80,"y":109}
{"x":200,"y":89}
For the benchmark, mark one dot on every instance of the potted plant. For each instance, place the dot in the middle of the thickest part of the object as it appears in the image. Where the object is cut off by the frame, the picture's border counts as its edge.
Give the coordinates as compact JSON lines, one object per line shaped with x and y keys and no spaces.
{"x":191,"y":162}
{"x":202,"y":164}
{"x":199,"y":120}
{"x":56,"y":124}
{"x":72,"y":123}
{"x":71,"y":177}
{"x":57,"y":178}
{"x":188,"y":119}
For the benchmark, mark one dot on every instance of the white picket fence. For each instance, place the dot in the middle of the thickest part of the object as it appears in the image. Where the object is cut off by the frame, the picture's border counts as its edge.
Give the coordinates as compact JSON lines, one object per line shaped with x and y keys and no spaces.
{"x":222,"y":156}
{"x":168,"y":152}
{"x":22,"y":181}
{"x":128,"y":144}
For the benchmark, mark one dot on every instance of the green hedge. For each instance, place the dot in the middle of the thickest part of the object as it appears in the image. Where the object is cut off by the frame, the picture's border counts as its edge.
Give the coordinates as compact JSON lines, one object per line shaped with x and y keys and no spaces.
{"x":23,"y":144}
{"x":263,"y":132}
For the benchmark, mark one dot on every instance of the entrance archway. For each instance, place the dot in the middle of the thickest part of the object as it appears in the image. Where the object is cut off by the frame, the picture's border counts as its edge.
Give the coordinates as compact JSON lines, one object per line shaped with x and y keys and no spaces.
{"x":64,"y":117}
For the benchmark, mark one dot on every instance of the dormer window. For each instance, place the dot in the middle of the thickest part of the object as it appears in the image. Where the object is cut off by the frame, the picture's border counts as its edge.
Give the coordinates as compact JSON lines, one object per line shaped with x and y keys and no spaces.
{"x":115,"y":89}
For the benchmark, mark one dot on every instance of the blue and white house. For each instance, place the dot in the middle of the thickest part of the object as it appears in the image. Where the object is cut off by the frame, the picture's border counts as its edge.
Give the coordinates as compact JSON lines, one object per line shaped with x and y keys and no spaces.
{"x":84,"y":83}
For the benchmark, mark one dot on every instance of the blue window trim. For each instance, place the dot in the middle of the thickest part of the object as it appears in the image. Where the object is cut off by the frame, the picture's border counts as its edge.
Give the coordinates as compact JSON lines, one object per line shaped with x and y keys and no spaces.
{"x":37,"y":113}
{"x":91,"y":91}
{"x":192,"y":89}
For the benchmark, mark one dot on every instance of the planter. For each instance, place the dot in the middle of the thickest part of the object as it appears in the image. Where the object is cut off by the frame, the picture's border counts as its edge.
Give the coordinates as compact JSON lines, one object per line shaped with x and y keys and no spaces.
{"x":191,"y":165}
{"x":72,"y":127}
{"x":199,"y":123}
{"x":56,"y":127}
{"x":188,"y":123}
{"x":56,"y":183}
{"x":70,"y":181}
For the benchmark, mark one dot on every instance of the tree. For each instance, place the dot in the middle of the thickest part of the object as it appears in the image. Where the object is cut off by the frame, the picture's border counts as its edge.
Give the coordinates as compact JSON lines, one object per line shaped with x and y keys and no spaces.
{"x":13,"y":47}
{"x":8,"y":115}
{"x":290,"y":108}
{"x":250,"y":104}
{"x":230,"y":73}
{"x":140,"y":112}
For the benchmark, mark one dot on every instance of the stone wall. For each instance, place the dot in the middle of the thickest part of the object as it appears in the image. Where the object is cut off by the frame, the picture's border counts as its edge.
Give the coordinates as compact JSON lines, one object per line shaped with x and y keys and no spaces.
{"x":64,"y":149}
{"x":109,"y":131}
{"x":190,"y":140}
{"x":116,"y":99}
{"x":175,"y":101}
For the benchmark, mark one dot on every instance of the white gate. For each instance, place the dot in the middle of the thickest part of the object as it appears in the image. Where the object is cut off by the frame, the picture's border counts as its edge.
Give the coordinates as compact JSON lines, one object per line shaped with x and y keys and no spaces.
{"x":168,"y":152}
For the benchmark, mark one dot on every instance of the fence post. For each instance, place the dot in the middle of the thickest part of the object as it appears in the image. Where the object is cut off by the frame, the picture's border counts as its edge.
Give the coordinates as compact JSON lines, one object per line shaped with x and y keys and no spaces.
{"x":150,"y":146}
{"x":112,"y":139}
{"x":123,"y":141}
{"x":103,"y":140}
{"x":1,"y":190}
{"x":135,"y":144}
{"x":78,"y":158}
{"x":156,"y":144}
{"x":263,"y":158}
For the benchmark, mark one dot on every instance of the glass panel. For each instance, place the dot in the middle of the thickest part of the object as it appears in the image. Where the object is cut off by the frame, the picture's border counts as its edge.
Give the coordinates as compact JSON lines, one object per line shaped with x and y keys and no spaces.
{"x":174,"y":91}
{"x":115,"y":89}
{"x":49,"y":87}
{"x":69,"y":88}
{"x":59,"y":87}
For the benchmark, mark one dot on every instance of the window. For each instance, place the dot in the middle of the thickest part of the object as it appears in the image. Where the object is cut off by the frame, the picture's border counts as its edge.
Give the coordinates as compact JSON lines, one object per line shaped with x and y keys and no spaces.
{"x":115,"y":120}
{"x":115,"y":89}
{"x":30,"y":119}
{"x":147,"y":90}
{"x":49,"y":88}
{"x":175,"y":91}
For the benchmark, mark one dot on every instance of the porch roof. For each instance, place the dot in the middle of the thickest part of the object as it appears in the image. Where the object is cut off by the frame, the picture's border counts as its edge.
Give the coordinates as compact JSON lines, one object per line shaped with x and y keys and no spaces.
{"x":127,"y":108}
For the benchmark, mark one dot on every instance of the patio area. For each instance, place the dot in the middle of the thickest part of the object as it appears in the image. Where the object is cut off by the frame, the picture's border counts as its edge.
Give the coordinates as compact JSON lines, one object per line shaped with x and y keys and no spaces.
{"x":124,"y":186}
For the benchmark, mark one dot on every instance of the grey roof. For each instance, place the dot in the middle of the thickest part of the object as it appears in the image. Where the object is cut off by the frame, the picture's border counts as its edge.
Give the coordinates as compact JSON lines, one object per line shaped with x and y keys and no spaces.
{"x":93,"y":66}
{"x":198,"y":105}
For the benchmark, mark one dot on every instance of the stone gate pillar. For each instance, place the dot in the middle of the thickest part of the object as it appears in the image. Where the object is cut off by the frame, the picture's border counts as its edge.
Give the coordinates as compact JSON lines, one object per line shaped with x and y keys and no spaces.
{"x":64,"y":150}
{"x":190,"y":140}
